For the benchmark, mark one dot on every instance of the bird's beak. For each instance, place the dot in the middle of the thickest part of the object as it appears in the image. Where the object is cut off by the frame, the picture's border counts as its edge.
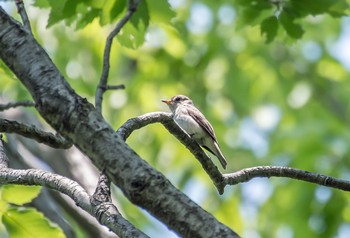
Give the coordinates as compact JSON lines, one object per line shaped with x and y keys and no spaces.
{"x":167,"y":101}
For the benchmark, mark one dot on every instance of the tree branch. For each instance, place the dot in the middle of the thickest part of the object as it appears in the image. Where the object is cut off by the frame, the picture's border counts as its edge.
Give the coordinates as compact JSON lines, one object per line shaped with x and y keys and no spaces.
{"x":104,"y":209}
{"x":241,"y":176}
{"x":113,"y":87}
{"x":102,"y":86}
{"x":22,"y":12}
{"x":4,"y":107}
{"x":75,"y":118}
{"x":108,"y":216}
{"x":55,"y":141}
{"x":55,"y":200}
{"x":245,"y":175}
{"x":3,"y":157}
{"x":166,"y":119}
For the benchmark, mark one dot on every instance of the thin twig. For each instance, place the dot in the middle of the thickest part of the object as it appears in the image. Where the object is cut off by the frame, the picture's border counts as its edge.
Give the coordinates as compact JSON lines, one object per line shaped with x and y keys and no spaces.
{"x":245,"y":175}
{"x":30,"y":131}
{"x":4,"y":107}
{"x":102,"y":86}
{"x":113,"y":87}
{"x":22,"y":12}
{"x":166,"y":120}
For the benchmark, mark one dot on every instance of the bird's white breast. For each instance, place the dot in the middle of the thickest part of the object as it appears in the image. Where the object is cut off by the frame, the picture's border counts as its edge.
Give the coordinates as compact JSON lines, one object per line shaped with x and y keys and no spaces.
{"x":187,"y":123}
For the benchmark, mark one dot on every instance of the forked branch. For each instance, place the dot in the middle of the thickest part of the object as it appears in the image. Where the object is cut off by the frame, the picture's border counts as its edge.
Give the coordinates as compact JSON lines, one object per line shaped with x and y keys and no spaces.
{"x":22,"y":12}
{"x":221,"y":180}
{"x":102,"y":86}
{"x":109,"y":215}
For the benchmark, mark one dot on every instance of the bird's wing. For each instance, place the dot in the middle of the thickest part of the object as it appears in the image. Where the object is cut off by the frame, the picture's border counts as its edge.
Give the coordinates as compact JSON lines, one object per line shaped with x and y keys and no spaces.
{"x":202,"y":121}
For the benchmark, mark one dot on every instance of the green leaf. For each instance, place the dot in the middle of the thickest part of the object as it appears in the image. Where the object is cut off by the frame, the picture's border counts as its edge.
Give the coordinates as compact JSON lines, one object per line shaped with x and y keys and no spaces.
{"x":160,"y":11}
{"x":19,"y":194}
{"x":140,"y":19}
{"x":56,"y":13}
{"x":131,"y":37}
{"x":294,"y":30}
{"x":111,"y":10}
{"x":65,"y":10}
{"x":3,"y":207}
{"x":41,"y":3}
{"x":29,"y":223}
{"x":118,"y":7}
{"x":87,"y":18}
{"x":70,"y":8}
{"x":133,"y":33}
{"x":96,"y":3}
{"x":269,"y":28}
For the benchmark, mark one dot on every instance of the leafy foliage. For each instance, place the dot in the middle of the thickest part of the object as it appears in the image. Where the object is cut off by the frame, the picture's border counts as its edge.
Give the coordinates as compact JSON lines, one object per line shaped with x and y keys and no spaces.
{"x":287,"y":12}
{"x":82,"y":13}
{"x":270,"y":104}
{"x":19,"y":194}
{"x":20,"y":221}
{"x":269,"y":27}
{"x":260,"y":12}
{"x":27,"y":222}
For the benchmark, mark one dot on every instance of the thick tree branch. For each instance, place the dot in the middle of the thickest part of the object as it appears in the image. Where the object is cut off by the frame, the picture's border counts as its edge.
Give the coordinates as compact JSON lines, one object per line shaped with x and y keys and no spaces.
{"x":245,"y":175}
{"x":55,"y":141}
{"x":166,"y":119}
{"x":51,"y":202}
{"x":4,"y":107}
{"x":108,"y":216}
{"x":49,"y":180}
{"x":102,"y":86}
{"x":76,"y":119}
{"x":104,"y":209}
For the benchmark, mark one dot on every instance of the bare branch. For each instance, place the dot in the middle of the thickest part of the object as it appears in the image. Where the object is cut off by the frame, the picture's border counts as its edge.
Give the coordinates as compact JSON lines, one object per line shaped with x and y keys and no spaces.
{"x":113,"y":87}
{"x":22,"y":12}
{"x":166,"y":120}
{"x":245,"y":175}
{"x":30,"y":131}
{"x":4,"y":107}
{"x":220,"y":180}
{"x":104,"y":209}
{"x":102,"y":86}
{"x":3,"y":157}
{"x":109,"y":215}
{"x":49,"y":180}
{"x":75,"y":118}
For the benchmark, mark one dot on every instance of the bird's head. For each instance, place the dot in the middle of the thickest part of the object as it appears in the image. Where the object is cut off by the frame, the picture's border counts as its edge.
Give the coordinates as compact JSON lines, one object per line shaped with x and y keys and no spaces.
{"x":176,"y":101}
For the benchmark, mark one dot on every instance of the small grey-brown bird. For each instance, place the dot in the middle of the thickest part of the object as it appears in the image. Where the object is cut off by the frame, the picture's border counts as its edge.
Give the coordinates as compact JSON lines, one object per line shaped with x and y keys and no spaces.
{"x":193,"y":122}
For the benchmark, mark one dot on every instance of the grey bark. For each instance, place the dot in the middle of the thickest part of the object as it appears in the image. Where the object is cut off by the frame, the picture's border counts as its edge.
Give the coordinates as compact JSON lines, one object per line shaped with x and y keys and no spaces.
{"x":77,"y":120}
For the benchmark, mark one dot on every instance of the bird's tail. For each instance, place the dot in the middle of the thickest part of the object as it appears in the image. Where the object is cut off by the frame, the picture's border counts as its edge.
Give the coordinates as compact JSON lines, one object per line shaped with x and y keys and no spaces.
{"x":220,"y":156}
{"x":214,"y":148}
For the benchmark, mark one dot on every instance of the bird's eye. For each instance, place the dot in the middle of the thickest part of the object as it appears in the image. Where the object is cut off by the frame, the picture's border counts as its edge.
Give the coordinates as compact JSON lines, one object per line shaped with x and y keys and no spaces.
{"x":177,"y":99}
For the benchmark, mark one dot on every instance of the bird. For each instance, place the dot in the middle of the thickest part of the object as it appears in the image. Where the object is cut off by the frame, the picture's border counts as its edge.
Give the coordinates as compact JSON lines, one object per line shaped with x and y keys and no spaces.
{"x":194,"y":123}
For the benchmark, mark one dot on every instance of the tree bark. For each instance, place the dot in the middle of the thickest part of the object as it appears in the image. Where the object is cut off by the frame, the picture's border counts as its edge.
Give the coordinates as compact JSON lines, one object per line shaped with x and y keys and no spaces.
{"x":77,"y":120}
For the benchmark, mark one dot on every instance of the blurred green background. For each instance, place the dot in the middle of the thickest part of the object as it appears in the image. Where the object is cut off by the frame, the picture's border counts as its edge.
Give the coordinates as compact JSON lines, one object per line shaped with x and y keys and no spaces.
{"x":284,"y":103}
